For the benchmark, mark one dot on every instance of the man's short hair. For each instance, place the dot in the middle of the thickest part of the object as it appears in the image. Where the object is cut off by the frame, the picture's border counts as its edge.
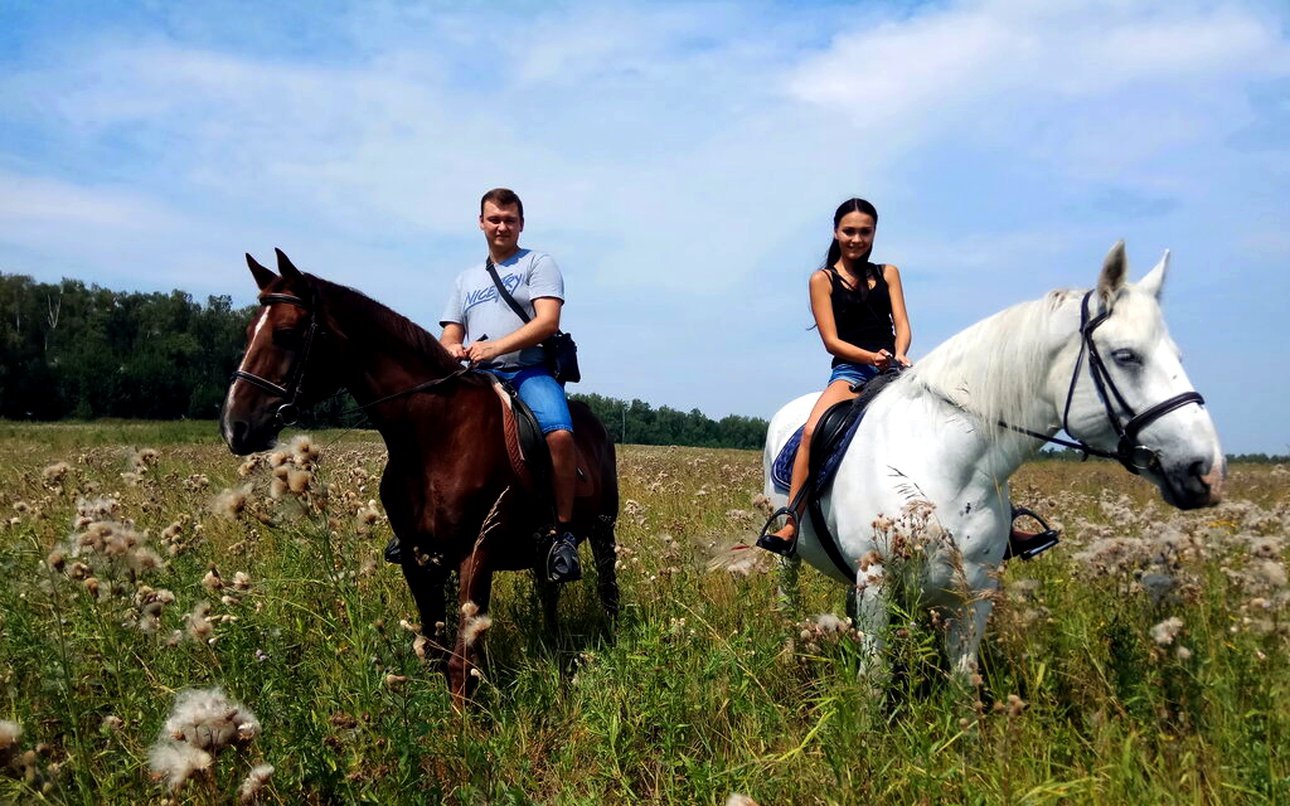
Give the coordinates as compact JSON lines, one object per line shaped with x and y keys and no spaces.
{"x":502,"y":197}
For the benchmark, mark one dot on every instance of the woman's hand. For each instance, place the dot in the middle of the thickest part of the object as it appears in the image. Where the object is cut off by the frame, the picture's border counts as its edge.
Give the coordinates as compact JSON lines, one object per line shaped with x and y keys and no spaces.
{"x":903,"y":360}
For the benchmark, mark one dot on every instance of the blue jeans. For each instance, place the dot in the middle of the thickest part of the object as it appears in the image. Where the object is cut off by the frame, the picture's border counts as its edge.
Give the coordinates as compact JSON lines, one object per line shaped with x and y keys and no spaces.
{"x":854,"y":374}
{"x":541,"y":393}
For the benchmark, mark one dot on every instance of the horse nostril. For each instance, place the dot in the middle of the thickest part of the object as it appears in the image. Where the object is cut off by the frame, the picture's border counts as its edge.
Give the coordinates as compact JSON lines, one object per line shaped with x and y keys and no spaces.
{"x":1199,"y":469}
{"x":240,"y":429}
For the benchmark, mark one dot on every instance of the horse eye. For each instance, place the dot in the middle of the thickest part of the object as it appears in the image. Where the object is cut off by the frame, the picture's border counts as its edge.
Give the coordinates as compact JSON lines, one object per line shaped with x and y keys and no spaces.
{"x":1127,"y":358}
{"x":287,"y":339}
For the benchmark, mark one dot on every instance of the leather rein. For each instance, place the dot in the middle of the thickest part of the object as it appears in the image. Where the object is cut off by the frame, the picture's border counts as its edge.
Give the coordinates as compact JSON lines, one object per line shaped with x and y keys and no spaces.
{"x":1135,"y":456}
{"x":290,"y":390}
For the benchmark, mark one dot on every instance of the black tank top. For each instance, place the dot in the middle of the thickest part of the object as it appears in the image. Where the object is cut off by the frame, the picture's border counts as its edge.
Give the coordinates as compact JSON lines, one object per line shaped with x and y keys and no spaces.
{"x":863,"y":320}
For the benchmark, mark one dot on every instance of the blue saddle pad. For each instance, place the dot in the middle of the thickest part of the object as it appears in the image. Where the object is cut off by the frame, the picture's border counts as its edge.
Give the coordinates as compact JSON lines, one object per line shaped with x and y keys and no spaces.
{"x":781,"y":470}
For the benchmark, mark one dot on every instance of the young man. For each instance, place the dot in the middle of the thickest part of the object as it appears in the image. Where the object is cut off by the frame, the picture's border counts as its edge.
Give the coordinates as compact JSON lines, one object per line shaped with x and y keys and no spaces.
{"x":504,"y":344}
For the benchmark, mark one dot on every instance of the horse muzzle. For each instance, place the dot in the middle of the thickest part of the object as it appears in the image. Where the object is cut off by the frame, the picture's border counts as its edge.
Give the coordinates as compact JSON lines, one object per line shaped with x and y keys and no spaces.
{"x":1192,"y":484}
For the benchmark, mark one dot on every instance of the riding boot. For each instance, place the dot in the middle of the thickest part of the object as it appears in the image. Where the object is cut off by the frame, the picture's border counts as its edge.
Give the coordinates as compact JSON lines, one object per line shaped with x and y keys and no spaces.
{"x":775,"y":544}
{"x":562,"y":561}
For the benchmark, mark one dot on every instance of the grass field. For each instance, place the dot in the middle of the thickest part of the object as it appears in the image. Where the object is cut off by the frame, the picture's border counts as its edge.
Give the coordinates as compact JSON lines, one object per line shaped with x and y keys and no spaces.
{"x":1144,"y":660}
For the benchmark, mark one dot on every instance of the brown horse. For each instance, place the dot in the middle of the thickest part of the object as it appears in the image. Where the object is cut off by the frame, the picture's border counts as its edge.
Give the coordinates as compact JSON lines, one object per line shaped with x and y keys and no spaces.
{"x":452,"y":493}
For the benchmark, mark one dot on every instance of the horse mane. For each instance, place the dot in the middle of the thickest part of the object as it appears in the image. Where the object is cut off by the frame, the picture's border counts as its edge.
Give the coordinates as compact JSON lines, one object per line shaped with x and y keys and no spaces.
{"x":990,"y":368}
{"x":391,"y":321}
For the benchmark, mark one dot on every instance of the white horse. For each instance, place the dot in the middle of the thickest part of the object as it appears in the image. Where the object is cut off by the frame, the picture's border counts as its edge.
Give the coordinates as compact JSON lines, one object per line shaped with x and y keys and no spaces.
{"x":934,"y":452}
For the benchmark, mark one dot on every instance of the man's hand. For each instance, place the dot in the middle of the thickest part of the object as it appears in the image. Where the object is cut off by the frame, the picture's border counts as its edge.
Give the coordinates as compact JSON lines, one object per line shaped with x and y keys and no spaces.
{"x":481,"y":351}
{"x":457,"y":351}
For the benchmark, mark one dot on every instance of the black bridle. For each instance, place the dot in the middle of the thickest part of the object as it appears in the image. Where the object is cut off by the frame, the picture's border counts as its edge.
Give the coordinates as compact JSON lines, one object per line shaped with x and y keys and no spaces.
{"x":1135,"y":456}
{"x":289,"y":412}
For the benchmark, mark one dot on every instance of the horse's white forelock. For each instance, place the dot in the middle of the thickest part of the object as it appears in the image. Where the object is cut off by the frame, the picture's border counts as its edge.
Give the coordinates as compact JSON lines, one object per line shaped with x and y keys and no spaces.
{"x":992,"y":368}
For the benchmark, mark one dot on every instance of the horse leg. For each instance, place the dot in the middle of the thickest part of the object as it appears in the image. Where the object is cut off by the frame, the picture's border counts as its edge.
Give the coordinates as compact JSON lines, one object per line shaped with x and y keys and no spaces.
{"x":605,"y":551}
{"x":548,"y":594}
{"x":963,"y":636}
{"x":426,"y":582}
{"x":871,"y":619}
{"x":474,"y":594}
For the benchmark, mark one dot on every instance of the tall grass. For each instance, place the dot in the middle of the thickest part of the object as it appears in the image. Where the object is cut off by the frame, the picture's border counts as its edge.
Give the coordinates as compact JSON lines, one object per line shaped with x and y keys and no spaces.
{"x":706,"y":688}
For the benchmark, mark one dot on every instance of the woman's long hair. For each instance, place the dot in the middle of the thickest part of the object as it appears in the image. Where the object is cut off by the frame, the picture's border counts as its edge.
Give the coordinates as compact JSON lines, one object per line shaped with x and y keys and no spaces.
{"x":852,"y":205}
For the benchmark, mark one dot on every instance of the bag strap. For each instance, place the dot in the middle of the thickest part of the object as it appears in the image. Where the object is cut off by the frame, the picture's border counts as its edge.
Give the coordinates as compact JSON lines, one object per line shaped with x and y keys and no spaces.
{"x":501,"y":289}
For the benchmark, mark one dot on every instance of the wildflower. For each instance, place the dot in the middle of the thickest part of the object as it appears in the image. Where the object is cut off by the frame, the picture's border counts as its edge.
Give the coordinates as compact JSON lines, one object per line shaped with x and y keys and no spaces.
{"x":208,"y":720}
{"x":111,"y":723}
{"x":241,"y":581}
{"x":1015,"y":705}
{"x":255,"y":780}
{"x":740,"y":799}
{"x":394,"y":682}
{"x":199,"y":627}
{"x":143,"y":559}
{"x":57,"y":559}
{"x":298,"y":480}
{"x":10,"y":733}
{"x":213,"y":581}
{"x":177,"y":762}
{"x":474,"y":628}
{"x":230,"y":503}
{"x":1166,"y":631}
{"x":53,"y":475}
{"x":1182,"y":653}
{"x":304,"y":451}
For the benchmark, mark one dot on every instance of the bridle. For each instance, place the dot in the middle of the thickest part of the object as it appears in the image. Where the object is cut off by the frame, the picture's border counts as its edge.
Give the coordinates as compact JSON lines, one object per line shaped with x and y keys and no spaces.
{"x":289,"y":412}
{"x":290,"y":390}
{"x":1135,"y":456}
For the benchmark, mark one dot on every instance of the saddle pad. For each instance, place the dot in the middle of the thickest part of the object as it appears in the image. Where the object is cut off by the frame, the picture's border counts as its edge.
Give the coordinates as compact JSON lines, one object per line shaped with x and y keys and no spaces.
{"x":782,"y":468}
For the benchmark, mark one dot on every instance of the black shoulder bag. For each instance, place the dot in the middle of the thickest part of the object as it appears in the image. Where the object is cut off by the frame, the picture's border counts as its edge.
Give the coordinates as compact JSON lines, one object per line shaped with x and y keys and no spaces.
{"x":561,"y":353}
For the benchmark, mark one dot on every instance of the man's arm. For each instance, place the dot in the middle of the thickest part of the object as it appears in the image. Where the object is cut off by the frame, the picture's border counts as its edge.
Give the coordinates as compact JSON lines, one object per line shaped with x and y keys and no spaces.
{"x":451,"y":339}
{"x":545,"y":322}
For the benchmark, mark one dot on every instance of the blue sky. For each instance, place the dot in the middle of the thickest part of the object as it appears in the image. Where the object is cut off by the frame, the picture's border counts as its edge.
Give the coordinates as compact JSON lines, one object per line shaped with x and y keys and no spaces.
{"x":680,"y":161}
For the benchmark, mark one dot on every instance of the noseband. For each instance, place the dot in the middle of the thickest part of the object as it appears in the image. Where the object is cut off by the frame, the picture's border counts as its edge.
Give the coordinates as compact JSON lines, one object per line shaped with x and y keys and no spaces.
{"x":288,"y":412}
{"x":1135,"y":456}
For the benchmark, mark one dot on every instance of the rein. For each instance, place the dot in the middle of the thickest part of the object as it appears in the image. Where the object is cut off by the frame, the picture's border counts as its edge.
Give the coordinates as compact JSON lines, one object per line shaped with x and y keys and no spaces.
{"x":289,"y":412}
{"x":1130,"y":453}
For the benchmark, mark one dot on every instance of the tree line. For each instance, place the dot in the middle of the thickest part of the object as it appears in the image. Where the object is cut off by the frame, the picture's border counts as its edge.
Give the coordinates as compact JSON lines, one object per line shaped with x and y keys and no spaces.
{"x":72,"y":351}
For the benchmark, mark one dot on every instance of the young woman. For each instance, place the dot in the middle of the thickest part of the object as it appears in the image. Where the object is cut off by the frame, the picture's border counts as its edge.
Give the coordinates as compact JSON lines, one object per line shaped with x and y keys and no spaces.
{"x":860,"y":314}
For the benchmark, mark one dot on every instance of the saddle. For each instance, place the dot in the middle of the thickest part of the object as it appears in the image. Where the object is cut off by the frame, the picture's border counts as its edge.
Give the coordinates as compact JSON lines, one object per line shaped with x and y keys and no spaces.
{"x":833,"y":434}
{"x":525,"y":445}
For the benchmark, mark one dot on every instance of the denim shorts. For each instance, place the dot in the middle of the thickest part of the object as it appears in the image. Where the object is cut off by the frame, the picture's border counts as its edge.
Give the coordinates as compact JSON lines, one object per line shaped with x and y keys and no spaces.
{"x":541,"y":393}
{"x":854,"y":374}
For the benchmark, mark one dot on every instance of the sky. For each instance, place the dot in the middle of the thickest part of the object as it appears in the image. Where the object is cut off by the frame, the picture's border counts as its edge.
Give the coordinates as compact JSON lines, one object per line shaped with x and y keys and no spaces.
{"x":681,"y":162}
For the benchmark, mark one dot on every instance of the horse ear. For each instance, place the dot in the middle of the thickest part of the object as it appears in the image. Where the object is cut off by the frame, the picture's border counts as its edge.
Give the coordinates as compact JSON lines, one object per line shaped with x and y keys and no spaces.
{"x":1114,"y":269}
{"x":285,"y":267}
{"x":1155,"y":278}
{"x":262,"y":275}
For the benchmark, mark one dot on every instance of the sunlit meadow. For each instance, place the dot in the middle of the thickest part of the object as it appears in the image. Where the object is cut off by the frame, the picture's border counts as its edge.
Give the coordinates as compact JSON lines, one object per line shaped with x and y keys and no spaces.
{"x":180,"y":625}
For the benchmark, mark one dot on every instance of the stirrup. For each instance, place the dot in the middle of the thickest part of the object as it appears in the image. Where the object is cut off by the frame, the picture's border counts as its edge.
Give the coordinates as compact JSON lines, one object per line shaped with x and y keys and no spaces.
{"x":1030,"y":547}
{"x":774,"y":543}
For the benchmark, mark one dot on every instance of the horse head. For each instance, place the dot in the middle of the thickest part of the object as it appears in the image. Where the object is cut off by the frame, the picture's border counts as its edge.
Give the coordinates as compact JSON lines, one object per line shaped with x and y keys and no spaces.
{"x":1127,"y":394}
{"x":285,"y":365}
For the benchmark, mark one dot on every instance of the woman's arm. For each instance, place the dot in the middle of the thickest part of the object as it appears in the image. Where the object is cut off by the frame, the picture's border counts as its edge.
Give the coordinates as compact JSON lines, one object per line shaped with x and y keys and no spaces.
{"x":822,"y":307}
{"x":899,"y":315}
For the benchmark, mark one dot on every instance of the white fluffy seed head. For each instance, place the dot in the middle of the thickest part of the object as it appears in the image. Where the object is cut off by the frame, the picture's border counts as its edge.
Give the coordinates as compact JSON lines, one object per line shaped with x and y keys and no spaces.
{"x":177,"y":762}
